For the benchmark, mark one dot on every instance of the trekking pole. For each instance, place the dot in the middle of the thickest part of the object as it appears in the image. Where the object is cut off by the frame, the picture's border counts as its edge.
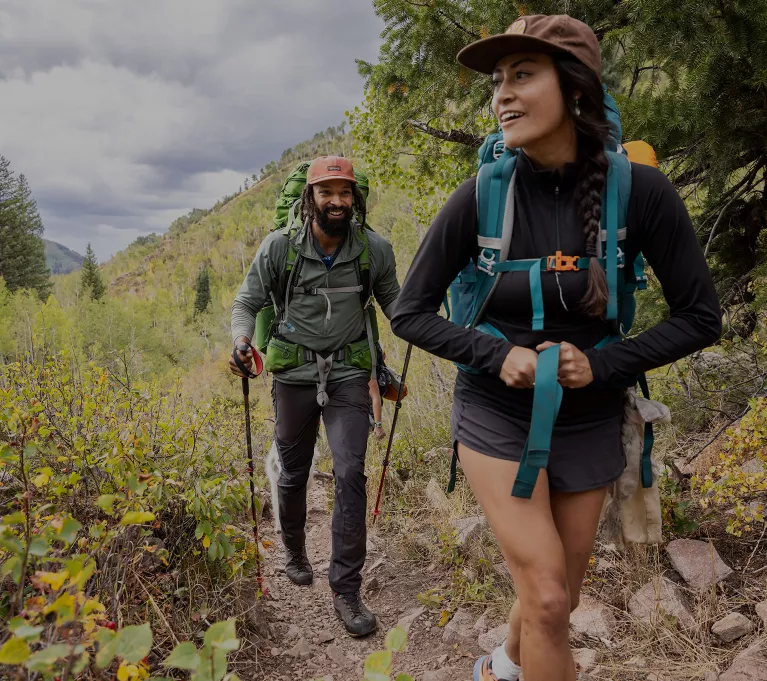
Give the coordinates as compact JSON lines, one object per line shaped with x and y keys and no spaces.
{"x":244,"y":347}
{"x":397,"y":406}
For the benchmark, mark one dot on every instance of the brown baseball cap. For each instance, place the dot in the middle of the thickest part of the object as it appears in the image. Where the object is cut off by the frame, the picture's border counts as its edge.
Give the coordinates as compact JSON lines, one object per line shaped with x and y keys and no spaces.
{"x":536,"y":33}
{"x":330,"y":168}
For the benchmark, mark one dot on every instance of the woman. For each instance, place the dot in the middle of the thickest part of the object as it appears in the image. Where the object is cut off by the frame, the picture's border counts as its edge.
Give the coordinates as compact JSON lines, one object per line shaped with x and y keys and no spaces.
{"x":549,"y":102}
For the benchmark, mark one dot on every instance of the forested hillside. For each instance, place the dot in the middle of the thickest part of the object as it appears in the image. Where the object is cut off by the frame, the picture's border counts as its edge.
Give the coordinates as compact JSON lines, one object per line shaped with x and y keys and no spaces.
{"x":123,"y":484}
{"x":60,"y":259}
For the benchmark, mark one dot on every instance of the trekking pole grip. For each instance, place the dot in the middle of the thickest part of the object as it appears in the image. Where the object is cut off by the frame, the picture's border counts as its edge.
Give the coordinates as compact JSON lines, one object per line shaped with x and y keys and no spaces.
{"x":259,"y":365}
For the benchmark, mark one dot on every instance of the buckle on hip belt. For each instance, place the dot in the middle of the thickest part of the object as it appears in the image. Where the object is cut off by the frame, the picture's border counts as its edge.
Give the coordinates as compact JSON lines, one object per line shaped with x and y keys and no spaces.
{"x":562,"y":263}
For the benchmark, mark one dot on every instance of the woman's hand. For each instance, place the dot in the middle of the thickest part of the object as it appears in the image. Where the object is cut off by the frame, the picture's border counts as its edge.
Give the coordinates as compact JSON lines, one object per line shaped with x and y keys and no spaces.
{"x":518,"y":370}
{"x":574,"y":366}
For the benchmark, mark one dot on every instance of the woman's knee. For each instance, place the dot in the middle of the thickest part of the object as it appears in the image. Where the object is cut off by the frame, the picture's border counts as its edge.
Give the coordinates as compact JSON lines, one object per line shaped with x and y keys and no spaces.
{"x":548,"y":605}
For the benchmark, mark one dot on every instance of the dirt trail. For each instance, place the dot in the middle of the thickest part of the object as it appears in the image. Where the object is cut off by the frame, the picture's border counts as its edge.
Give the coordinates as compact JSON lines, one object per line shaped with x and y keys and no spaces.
{"x":309,"y":641}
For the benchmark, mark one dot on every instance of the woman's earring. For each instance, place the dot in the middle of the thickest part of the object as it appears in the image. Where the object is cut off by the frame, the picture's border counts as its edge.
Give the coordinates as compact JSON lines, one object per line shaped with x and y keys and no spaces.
{"x":577,"y":108}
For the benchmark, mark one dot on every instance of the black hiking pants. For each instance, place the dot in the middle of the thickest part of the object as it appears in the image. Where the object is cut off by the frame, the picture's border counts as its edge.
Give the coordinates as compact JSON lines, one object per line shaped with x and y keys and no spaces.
{"x":297,"y":420}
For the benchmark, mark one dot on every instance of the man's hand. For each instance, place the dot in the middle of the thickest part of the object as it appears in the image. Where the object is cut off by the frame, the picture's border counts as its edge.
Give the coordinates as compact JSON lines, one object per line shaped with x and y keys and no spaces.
{"x":518,"y":370}
{"x":245,"y":357}
{"x":574,"y":366}
{"x":379,"y":433}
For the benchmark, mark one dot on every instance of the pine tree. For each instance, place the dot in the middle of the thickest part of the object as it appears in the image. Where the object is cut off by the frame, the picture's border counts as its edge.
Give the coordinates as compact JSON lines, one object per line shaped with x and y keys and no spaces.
{"x":22,"y":252}
{"x":36,"y":267}
{"x":90,"y":278}
{"x":202,"y":288}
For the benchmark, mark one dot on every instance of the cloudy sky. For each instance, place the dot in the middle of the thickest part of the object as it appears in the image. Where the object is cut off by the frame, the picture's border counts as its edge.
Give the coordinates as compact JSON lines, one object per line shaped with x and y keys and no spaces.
{"x":125,"y":114}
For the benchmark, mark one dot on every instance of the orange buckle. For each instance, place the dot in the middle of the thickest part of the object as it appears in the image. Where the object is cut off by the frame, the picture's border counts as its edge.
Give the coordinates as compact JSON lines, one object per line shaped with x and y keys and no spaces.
{"x":562,"y":263}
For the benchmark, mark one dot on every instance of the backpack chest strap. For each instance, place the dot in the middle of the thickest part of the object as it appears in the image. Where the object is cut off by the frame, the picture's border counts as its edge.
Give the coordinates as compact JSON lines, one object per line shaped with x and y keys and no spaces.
{"x":316,"y":290}
{"x":309,"y":291}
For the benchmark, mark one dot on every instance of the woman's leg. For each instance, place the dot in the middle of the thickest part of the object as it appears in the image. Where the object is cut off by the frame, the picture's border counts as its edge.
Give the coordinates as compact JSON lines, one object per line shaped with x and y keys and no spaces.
{"x":576,"y":516}
{"x":528,"y":538}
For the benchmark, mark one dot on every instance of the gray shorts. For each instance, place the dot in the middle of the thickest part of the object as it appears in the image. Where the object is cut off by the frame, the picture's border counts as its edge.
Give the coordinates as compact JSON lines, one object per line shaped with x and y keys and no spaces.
{"x":584,"y":456}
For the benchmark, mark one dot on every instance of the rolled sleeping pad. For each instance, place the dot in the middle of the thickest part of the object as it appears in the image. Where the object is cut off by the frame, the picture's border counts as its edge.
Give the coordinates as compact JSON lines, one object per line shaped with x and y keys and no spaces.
{"x":640,"y":152}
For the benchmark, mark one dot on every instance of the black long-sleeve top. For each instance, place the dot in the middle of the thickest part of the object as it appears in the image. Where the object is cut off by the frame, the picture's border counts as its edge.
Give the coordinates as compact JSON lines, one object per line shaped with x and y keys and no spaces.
{"x":547,"y":219}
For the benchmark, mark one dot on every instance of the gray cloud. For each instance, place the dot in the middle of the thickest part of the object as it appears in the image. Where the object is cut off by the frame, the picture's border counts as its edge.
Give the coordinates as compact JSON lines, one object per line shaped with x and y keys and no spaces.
{"x":125,"y":115}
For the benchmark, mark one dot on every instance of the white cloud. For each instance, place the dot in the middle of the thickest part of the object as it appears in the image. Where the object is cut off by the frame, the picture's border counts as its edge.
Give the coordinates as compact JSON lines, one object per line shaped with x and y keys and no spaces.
{"x":125,"y":115}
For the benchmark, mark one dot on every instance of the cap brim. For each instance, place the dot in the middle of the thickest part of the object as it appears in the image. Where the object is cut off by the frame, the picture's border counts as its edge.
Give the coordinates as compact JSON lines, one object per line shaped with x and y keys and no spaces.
{"x":333,"y":176}
{"x":483,"y":55}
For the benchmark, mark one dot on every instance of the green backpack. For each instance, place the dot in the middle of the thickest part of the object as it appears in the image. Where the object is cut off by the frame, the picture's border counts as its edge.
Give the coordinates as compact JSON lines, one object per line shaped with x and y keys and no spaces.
{"x":285,"y":220}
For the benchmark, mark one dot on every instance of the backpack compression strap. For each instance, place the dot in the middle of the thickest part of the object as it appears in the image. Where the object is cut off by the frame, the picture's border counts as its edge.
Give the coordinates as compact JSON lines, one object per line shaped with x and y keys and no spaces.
{"x":547,"y":398}
{"x":649,"y":439}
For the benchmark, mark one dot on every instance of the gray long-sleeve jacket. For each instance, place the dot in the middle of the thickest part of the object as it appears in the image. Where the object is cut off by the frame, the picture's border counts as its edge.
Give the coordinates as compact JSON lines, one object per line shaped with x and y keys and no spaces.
{"x":320,"y":323}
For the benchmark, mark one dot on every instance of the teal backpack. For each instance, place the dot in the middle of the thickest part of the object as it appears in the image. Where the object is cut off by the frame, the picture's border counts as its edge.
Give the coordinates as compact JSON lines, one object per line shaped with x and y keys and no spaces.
{"x":470,"y":292}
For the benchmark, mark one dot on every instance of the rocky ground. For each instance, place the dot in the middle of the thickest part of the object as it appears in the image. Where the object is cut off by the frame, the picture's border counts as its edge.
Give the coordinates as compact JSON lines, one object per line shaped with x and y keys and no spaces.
{"x":688,"y":616}
{"x":309,"y":641}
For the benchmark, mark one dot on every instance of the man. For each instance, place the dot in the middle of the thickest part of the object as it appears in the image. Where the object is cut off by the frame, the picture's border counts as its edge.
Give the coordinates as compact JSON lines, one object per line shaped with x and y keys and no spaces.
{"x":322,"y":355}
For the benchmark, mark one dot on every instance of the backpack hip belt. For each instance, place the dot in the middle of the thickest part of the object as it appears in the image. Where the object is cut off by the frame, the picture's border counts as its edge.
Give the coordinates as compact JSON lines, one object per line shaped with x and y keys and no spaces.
{"x":283,"y":355}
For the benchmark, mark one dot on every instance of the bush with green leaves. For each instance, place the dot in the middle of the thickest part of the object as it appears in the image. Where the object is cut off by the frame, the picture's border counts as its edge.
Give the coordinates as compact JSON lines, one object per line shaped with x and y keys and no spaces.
{"x":739,"y":479}
{"x":91,"y":474}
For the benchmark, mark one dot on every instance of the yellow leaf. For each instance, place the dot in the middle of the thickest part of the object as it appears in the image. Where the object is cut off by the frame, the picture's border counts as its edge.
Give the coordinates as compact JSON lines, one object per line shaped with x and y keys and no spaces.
{"x":137,"y":518}
{"x":14,"y":651}
{"x":54,"y":579}
{"x":41,"y":480}
{"x":92,"y":605}
{"x":63,"y":606}
{"x":126,"y":672}
{"x":444,"y":618}
{"x":206,"y":541}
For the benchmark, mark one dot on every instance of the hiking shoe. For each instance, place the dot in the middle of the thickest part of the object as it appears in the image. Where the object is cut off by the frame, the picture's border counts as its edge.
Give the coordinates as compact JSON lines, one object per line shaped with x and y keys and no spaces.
{"x":298,"y":568}
{"x":483,"y":670}
{"x":357,"y":619}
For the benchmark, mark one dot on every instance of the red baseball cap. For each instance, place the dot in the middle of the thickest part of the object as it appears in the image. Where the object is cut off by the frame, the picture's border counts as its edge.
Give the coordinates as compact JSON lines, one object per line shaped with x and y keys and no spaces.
{"x":536,"y":33}
{"x":330,"y":168}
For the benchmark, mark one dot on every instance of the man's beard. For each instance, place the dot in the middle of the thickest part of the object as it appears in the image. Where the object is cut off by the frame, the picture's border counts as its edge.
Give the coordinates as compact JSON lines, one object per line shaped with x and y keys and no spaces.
{"x":334,"y":228}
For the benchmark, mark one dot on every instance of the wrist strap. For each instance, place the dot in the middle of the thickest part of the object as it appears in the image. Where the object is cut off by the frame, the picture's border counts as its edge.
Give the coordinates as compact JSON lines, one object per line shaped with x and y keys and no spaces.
{"x":243,"y":348}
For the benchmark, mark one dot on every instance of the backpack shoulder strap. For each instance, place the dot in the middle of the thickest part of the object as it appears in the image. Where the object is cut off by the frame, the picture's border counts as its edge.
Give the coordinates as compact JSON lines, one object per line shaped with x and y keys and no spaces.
{"x":495,"y":221}
{"x":364,"y":267}
{"x":289,"y":231}
{"x":292,"y":262}
{"x":614,"y":212}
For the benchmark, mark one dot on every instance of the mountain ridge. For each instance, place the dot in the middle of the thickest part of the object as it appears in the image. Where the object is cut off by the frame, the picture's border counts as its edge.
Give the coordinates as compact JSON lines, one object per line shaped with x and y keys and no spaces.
{"x":60,"y":259}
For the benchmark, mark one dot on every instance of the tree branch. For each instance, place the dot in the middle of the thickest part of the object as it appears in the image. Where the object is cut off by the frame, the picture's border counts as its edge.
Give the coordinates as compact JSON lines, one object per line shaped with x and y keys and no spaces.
{"x":442,"y":13}
{"x":638,"y":70}
{"x":747,"y":181}
{"x":457,"y":136}
{"x":474,"y":36}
